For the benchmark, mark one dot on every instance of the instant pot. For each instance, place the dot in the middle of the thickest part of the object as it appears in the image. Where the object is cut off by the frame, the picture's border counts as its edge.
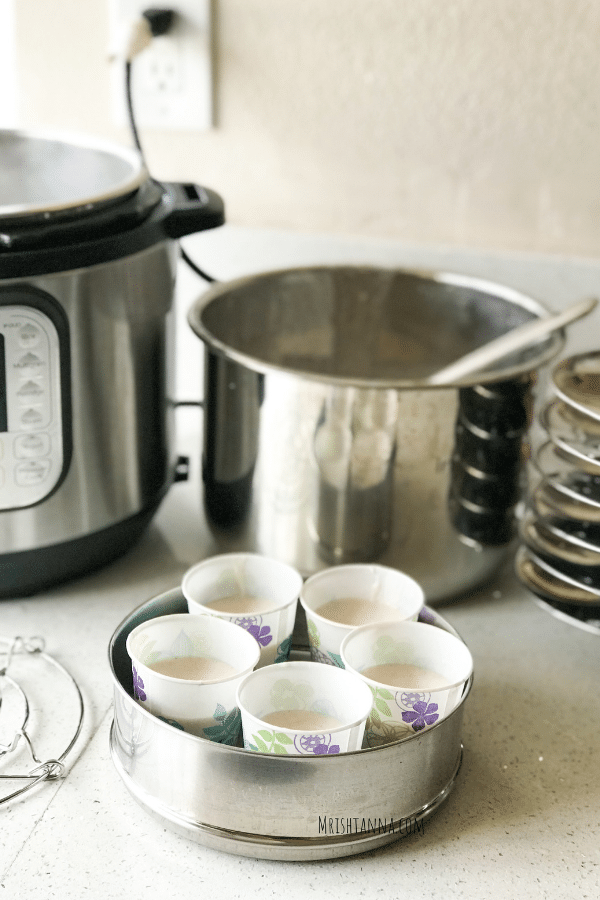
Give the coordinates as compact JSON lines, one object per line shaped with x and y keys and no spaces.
{"x":88,"y":252}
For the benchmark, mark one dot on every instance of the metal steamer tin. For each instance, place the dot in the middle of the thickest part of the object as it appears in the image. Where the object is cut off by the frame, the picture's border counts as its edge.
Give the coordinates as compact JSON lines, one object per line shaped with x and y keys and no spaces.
{"x":276,"y":807}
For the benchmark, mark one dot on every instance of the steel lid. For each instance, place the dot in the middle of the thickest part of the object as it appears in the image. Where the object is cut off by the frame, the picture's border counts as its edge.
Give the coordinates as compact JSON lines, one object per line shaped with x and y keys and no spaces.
{"x":45,"y":176}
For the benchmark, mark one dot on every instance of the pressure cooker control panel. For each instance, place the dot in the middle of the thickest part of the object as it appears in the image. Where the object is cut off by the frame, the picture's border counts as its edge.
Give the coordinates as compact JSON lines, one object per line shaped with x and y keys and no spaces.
{"x":32,"y":446}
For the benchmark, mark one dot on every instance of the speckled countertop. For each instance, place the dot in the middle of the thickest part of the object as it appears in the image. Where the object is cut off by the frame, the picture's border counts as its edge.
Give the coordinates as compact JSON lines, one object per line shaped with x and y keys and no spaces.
{"x":524,"y":817}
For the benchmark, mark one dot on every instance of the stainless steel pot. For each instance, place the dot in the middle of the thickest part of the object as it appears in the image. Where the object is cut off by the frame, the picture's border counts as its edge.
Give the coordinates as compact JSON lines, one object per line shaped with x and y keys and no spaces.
{"x":323,"y":444}
{"x":277,"y":807}
{"x":87,"y":269}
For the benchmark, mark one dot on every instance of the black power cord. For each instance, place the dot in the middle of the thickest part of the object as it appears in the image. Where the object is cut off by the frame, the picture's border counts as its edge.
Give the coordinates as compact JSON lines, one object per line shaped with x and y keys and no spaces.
{"x":160,"y":21}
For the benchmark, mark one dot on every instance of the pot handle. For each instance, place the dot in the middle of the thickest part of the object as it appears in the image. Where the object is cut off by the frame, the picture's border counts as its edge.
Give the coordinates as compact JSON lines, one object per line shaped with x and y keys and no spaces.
{"x":193,"y":208}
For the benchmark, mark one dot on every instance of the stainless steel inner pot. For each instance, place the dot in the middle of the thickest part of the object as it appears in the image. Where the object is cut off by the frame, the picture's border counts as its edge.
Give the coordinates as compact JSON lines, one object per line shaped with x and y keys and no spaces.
{"x":324,"y":445}
{"x":43,"y":175}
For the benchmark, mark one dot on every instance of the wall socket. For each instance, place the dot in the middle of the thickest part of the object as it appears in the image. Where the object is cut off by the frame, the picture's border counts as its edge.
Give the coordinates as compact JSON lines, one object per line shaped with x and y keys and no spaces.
{"x":171,"y":80}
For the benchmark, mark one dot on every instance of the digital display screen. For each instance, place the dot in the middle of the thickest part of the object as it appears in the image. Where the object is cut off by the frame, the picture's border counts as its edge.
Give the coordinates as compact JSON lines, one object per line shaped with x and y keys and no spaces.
{"x":3,"y":414}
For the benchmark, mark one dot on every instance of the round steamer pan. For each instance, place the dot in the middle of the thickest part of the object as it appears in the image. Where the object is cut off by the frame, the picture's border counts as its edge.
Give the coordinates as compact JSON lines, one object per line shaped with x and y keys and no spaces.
{"x":273,"y":807}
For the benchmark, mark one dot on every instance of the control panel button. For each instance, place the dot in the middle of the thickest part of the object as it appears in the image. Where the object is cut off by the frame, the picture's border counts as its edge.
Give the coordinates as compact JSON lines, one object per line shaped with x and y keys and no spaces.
{"x":32,"y":472}
{"x":31,"y":417}
{"x":31,"y":402}
{"x":30,"y":389}
{"x":29,"y":446}
{"x":29,"y":335}
{"x":29,"y":363}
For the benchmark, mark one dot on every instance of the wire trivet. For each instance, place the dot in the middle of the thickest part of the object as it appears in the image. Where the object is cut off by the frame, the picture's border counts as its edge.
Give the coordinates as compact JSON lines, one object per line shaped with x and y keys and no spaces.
{"x":43,"y":769}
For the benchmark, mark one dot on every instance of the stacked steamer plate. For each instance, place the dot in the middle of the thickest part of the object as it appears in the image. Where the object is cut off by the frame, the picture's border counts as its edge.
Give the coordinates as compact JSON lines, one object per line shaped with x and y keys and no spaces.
{"x":486,"y":465}
{"x":559,"y":560}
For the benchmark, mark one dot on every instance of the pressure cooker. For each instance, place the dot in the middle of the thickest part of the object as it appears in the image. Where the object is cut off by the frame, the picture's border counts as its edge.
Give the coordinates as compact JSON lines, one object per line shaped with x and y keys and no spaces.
{"x":88,"y":253}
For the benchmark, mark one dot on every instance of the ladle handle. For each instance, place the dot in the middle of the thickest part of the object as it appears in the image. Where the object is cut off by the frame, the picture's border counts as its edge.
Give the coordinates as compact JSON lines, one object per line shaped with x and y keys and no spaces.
{"x":510,"y":342}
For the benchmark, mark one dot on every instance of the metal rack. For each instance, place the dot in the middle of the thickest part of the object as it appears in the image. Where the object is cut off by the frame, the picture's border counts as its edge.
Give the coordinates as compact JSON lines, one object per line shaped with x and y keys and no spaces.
{"x":559,"y":559}
{"x":43,"y":769}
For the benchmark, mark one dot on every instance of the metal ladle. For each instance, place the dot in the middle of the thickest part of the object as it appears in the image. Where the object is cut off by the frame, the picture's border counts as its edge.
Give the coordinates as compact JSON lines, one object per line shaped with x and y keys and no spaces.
{"x":508,"y":343}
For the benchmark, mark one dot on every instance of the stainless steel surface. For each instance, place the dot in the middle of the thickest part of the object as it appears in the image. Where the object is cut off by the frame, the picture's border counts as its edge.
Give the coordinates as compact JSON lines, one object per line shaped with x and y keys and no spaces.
{"x":578,"y":618}
{"x":550,"y":459}
{"x":325,"y":444}
{"x":572,"y":430}
{"x":43,"y":173}
{"x":560,"y":530}
{"x":549,"y":501}
{"x":548,"y":539}
{"x":478,"y":360}
{"x":553,"y":583}
{"x":120,"y":359}
{"x":274,"y":807}
{"x":577,"y":381}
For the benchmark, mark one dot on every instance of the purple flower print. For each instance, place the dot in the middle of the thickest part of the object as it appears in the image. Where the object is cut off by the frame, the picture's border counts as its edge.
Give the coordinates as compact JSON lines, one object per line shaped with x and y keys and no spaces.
{"x":410,"y":698}
{"x":420,"y":715}
{"x":317,"y":744}
{"x":262,"y":635}
{"x":252,"y":624}
{"x":138,"y":686}
{"x":311,"y":742}
{"x":321,"y":750}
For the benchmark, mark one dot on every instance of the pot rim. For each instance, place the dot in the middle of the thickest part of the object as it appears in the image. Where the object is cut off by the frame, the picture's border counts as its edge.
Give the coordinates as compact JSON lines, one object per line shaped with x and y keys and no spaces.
{"x":125,"y":185}
{"x":552,"y":344}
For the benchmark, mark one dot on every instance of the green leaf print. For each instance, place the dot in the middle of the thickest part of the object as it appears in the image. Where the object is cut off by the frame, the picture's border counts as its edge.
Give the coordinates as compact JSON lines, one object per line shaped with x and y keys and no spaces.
{"x":336,"y":659}
{"x":313,"y":633}
{"x":380,"y":695}
{"x":227,"y":729}
{"x":283,"y":651}
{"x":383,"y":707}
{"x":271,"y":742}
{"x":387,"y":695}
{"x":260,"y":745}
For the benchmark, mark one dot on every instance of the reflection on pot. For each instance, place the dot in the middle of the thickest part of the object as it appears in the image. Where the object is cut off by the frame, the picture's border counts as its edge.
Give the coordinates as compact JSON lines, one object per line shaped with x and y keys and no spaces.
{"x":487,"y":471}
{"x":354,"y":450}
{"x":231,"y":409}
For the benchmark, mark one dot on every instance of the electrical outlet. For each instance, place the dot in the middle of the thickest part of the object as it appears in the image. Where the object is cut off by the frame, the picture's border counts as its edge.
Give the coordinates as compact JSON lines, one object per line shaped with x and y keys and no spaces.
{"x":171,"y":79}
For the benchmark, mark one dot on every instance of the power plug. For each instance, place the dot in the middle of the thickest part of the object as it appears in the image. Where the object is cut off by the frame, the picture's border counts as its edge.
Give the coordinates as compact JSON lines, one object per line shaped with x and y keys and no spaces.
{"x":172,"y":76}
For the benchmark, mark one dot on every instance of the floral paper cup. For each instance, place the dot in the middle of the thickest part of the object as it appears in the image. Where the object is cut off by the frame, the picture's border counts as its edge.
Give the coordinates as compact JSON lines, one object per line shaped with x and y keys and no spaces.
{"x":416,"y":673}
{"x":186,"y":670}
{"x":338,"y":599}
{"x":300,"y":708}
{"x":255,"y":592}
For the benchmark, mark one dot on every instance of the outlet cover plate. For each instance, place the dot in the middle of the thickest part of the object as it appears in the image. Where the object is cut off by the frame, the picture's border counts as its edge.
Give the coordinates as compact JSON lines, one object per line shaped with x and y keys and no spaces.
{"x":171,"y":80}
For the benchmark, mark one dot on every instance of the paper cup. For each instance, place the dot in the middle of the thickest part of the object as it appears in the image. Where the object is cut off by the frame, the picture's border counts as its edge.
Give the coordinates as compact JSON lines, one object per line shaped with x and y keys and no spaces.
{"x":329,"y":706}
{"x":204,"y":708}
{"x":399,"y":595}
{"x":261,"y":594}
{"x":402,"y":710}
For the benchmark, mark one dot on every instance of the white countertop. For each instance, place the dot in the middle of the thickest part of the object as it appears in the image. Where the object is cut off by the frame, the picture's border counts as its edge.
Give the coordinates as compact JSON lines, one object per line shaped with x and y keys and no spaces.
{"x":524,"y":817}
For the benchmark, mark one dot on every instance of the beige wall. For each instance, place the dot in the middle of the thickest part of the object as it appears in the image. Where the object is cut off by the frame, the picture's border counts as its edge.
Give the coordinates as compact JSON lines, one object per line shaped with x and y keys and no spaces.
{"x":473,"y":122}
